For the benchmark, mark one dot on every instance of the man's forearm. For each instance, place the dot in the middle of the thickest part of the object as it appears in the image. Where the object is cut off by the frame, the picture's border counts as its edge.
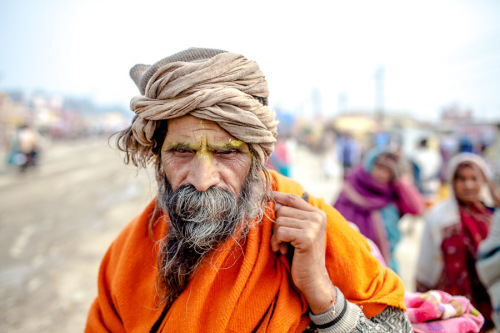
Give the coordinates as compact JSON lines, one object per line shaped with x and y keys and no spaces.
{"x":348,"y":317}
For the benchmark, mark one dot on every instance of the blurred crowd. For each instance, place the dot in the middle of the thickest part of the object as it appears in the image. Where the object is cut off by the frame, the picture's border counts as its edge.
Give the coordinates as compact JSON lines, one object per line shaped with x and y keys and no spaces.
{"x":29,"y":123}
{"x":447,"y":173}
{"x":448,"y":178}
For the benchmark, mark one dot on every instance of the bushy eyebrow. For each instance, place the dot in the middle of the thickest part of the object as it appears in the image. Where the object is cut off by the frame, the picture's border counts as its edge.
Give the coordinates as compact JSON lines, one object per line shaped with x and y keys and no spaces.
{"x":182,"y":145}
{"x":226,"y":147}
{"x":216,"y":149}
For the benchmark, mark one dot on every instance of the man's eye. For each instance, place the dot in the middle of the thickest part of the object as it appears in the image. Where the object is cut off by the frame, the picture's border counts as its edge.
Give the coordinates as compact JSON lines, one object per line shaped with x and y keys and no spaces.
{"x":228,"y":152}
{"x":181,"y":151}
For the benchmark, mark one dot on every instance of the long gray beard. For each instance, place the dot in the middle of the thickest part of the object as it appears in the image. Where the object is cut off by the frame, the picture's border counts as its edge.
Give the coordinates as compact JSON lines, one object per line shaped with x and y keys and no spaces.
{"x":198,"y":223}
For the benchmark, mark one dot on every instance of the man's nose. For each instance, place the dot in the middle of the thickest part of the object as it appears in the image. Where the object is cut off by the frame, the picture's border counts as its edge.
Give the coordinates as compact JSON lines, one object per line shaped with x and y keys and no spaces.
{"x":203,"y":173}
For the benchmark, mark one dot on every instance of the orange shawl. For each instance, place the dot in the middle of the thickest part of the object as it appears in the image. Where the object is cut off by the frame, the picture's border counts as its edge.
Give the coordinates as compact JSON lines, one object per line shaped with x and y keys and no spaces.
{"x":234,"y":291}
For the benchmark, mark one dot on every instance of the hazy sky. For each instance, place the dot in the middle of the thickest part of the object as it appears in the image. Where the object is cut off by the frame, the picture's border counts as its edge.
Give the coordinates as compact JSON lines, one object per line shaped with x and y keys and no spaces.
{"x":435,"y":53}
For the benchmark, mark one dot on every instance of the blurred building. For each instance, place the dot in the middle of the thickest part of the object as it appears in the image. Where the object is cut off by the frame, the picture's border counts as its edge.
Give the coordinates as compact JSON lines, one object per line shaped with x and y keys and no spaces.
{"x":365,"y":126}
{"x":13,"y":112}
{"x":57,"y":117}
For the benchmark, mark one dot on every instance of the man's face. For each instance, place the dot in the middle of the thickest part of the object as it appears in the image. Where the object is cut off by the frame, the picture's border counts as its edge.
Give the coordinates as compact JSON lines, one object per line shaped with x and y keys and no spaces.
{"x":207,"y":189}
{"x":200,"y":153}
{"x":467,"y":183}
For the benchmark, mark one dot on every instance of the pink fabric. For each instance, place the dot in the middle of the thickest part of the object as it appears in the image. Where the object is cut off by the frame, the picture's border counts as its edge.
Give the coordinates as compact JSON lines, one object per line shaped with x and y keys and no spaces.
{"x":360,"y":196}
{"x":438,"y":311}
{"x":410,"y":200}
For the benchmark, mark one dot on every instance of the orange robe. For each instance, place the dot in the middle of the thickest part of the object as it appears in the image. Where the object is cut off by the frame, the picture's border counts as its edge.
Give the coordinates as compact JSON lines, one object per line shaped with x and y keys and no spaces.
{"x":234,"y":291}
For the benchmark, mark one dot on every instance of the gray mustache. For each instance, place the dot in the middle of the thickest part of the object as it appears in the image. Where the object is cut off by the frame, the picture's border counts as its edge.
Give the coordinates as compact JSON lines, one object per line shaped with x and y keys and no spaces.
{"x":214,"y":204}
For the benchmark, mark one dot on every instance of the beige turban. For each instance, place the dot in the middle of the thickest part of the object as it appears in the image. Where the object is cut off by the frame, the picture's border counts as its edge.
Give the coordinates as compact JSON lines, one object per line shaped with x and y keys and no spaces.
{"x":209,"y":84}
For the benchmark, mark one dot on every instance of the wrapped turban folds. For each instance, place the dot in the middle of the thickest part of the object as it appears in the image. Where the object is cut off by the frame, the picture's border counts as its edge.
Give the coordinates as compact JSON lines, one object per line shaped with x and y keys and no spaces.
{"x":209,"y":84}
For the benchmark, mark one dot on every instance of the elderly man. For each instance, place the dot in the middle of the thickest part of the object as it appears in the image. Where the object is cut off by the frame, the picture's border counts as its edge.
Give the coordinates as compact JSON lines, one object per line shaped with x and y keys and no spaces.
{"x":227,"y":245}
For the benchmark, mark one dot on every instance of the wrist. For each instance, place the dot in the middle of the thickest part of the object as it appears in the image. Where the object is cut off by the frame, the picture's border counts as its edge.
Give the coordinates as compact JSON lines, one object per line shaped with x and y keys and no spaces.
{"x":321,"y":300}
{"x":343,"y":317}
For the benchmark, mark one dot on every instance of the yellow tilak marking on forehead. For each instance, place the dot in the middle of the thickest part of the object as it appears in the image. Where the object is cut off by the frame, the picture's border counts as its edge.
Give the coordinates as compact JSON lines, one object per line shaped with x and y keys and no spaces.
{"x":236,"y":143}
{"x":204,"y":153}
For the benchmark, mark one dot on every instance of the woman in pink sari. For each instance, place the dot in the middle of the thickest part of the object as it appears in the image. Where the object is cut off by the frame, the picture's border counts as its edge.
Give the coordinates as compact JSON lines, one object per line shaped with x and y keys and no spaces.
{"x":452,"y":233}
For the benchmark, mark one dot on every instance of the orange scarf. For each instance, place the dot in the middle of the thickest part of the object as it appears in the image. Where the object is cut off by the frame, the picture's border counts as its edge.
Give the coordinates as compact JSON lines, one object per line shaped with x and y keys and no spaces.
{"x":234,"y":291}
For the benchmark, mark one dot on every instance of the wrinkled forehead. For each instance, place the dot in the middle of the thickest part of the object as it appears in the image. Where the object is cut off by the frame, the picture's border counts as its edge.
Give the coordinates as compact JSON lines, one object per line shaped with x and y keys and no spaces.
{"x":190,"y":129}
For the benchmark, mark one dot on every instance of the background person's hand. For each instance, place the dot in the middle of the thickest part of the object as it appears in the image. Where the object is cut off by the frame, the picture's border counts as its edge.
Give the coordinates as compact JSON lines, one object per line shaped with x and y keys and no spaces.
{"x":391,"y":164}
{"x":304,"y":226}
{"x":495,"y":195}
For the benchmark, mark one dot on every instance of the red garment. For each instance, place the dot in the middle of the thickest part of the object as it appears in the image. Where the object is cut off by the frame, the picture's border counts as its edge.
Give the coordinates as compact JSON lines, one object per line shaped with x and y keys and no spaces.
{"x":459,"y":248}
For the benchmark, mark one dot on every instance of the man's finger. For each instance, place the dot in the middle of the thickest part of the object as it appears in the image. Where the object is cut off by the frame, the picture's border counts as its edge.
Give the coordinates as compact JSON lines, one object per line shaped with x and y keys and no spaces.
{"x":275,"y":242}
{"x":299,"y":214}
{"x":294,"y":236}
{"x":283,"y":248}
{"x":291,"y":222}
{"x":292,"y":200}
{"x":284,"y":234}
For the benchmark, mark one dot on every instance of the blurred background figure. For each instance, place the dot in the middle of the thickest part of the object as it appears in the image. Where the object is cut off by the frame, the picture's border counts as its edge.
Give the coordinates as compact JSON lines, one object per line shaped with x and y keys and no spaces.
{"x":282,"y":156}
{"x":491,"y":154}
{"x":453,"y":231}
{"x":427,"y":165}
{"x":25,"y":148}
{"x":488,"y":266}
{"x":349,"y":151}
{"x":329,"y":155}
{"x":465,"y":145}
{"x":448,"y":146}
{"x":374,"y":196}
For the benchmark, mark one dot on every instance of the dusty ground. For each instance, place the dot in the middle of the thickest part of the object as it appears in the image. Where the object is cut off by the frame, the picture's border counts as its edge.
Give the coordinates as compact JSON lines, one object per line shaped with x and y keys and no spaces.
{"x":58,"y":220}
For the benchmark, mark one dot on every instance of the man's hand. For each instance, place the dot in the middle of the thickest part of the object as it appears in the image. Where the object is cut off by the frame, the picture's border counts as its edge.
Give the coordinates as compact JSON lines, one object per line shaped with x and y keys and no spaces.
{"x":304,"y":226}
